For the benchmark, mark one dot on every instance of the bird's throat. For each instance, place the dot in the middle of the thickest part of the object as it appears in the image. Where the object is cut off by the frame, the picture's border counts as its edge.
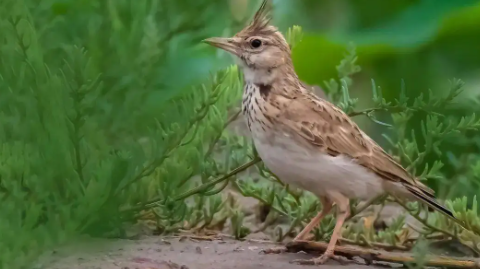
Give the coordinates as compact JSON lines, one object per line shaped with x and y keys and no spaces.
{"x":260,"y":76}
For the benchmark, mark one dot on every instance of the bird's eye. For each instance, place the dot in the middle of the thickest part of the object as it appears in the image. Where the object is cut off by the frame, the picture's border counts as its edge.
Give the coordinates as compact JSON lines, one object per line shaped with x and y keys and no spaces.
{"x":256,"y":43}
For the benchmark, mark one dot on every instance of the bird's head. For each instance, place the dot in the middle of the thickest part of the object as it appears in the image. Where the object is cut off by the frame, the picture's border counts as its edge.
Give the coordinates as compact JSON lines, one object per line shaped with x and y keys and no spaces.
{"x":259,"y":47}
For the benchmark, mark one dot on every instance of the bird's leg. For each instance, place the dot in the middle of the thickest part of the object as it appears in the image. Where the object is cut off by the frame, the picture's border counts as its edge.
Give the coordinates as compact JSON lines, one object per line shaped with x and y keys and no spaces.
{"x":343,"y":212}
{"x":326,"y":208}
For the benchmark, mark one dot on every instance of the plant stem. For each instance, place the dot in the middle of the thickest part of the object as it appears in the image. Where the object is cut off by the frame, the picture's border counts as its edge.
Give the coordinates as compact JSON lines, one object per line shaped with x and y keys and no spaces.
{"x":375,"y":244}
{"x":215,"y":141}
{"x":436,"y":229}
{"x":364,"y":112}
{"x":366,"y":205}
{"x":199,"y":188}
{"x":216,"y":181}
{"x":370,"y":255}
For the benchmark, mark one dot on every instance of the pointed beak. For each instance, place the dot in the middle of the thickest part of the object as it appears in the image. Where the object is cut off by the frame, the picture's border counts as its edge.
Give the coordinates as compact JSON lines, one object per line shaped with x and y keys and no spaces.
{"x":227,"y":44}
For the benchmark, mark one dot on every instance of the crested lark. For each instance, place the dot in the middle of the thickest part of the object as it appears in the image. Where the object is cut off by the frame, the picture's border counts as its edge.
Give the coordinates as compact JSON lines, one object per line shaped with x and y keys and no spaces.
{"x":307,"y":141}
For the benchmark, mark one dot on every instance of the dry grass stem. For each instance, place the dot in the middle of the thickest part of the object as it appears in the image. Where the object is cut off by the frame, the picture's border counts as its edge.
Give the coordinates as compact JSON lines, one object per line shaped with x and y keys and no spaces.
{"x":371,"y":255}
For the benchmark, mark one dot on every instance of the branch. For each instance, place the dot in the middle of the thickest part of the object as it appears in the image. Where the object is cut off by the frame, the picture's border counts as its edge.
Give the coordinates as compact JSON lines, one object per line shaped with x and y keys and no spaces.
{"x":370,"y":255}
{"x":215,"y":141}
{"x":197,"y":189}
{"x":364,"y":112}
{"x":425,"y":222}
{"x":393,"y":109}
{"x":357,"y":210}
{"x":153,"y":165}
{"x":454,"y":235}
{"x":375,"y":244}
{"x":216,"y":181}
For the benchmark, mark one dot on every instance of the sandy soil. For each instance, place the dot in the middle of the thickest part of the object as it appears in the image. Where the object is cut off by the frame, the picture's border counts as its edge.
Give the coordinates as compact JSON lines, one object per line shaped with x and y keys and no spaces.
{"x":154,"y":252}
{"x":147,"y":251}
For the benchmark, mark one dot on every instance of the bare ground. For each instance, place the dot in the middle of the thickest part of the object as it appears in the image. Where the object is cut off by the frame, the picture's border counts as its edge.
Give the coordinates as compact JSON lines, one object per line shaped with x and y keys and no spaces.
{"x":154,"y":252}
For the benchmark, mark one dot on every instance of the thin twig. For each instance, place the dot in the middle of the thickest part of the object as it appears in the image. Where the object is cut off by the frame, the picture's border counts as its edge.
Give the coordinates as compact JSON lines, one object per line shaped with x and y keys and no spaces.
{"x":429,"y":237}
{"x":375,"y":244}
{"x":216,"y":181}
{"x":199,"y":188}
{"x":370,"y":255}
{"x":437,"y":229}
{"x":365,"y":206}
{"x":393,"y":109}
{"x":217,"y":138}
{"x":365,"y":112}
{"x":152,"y":166}
{"x":424,"y":222}
{"x":259,"y":198}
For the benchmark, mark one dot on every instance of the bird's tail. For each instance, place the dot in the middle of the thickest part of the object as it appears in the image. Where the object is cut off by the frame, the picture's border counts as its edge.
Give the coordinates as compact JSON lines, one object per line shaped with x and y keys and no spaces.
{"x":431,"y":202}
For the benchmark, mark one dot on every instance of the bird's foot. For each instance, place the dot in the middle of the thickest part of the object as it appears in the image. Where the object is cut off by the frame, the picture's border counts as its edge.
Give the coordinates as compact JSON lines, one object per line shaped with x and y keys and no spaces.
{"x":322,"y":260}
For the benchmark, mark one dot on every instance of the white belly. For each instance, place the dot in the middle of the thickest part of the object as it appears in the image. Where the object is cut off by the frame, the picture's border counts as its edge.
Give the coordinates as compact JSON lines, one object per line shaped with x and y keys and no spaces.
{"x":315,"y":171}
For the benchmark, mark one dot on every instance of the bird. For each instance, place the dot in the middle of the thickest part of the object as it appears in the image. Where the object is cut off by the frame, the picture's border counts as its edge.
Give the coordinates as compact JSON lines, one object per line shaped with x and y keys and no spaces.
{"x":305,"y":140}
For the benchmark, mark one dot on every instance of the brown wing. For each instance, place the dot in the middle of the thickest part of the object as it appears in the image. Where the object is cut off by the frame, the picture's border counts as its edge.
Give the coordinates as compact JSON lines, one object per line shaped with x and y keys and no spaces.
{"x":327,"y":127}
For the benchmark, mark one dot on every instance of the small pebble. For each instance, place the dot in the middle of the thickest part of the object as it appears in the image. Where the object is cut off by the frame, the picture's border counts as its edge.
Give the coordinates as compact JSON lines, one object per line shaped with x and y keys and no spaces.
{"x":198,"y":250}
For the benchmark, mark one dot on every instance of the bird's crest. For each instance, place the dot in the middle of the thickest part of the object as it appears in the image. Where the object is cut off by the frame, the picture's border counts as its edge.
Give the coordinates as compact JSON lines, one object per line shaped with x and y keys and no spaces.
{"x":260,"y":24}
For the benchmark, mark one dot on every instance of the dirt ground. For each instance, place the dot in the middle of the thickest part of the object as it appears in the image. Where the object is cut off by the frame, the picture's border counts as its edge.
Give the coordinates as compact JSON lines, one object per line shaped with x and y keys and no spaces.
{"x":154,"y":252}
{"x":148,"y":251}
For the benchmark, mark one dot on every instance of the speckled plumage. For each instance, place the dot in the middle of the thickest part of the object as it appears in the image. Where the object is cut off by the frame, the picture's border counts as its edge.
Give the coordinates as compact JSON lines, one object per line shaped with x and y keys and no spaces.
{"x":307,"y":141}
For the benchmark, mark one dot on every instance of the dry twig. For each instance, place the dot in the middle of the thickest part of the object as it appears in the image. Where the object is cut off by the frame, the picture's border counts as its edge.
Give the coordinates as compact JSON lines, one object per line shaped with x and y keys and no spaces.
{"x":376,"y":245}
{"x":371,"y":255}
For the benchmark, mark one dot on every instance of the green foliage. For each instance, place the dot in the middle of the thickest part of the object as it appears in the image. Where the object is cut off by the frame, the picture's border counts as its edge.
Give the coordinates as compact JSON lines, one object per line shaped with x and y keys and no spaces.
{"x":239,"y":231}
{"x":420,"y":252}
{"x":339,"y":93}
{"x":99,"y":116}
{"x":294,"y":36}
